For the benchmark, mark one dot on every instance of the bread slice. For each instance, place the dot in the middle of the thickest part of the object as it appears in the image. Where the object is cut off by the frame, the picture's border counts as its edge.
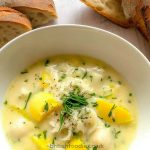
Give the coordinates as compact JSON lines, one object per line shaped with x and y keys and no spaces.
{"x":110,"y":9}
{"x":138,"y":11}
{"x":12,"y":24}
{"x":38,"y":11}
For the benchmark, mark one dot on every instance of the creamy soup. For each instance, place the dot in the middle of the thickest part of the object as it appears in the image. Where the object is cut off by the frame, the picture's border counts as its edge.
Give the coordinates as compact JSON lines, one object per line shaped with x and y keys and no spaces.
{"x":69,"y":103}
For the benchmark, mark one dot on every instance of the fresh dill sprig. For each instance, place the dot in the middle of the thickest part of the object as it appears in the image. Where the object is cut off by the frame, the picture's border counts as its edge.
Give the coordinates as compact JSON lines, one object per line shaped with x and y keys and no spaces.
{"x":71,"y":102}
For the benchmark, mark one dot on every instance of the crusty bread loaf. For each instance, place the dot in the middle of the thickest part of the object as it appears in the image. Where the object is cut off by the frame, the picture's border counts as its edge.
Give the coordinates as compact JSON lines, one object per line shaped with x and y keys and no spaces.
{"x":111,"y":9}
{"x":138,"y":11}
{"x":12,"y":24}
{"x":38,"y":11}
{"x":146,"y":16}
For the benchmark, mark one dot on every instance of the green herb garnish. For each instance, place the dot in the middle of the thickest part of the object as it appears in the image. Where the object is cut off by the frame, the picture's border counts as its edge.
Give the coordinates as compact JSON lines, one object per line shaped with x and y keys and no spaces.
{"x":53,"y":142}
{"x":114,"y":97}
{"x":24,"y":72}
{"x":6,"y":102}
{"x":93,"y":94}
{"x":101,"y":96}
{"x":46,"y":107}
{"x":26,"y":80}
{"x":95,"y":148}
{"x":71,"y":102}
{"x":113,"y":119}
{"x":28,"y":98}
{"x":91,"y":77}
{"x":45,"y":134}
{"x":62,"y":77}
{"x":39,"y":135}
{"x":40,"y":78}
{"x":83,"y":63}
{"x":62,"y":115}
{"x":116,"y":133}
{"x":107,"y":125}
{"x":46,"y":62}
{"x":111,"y":110}
{"x":94,"y":104}
{"x":130,"y":94}
{"x":85,"y":74}
{"x":129,"y":101}
{"x":120,"y":82}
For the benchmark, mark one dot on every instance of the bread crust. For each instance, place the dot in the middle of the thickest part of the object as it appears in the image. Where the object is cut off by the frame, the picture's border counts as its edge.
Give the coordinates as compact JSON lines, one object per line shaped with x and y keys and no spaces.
{"x":139,"y":13}
{"x":41,"y":5}
{"x":122,"y":22}
{"x":146,"y":16}
{"x":11,"y":15}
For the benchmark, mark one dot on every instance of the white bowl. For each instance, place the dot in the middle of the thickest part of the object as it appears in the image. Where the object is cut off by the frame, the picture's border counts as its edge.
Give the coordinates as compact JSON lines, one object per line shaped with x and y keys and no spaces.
{"x":76,"y":39}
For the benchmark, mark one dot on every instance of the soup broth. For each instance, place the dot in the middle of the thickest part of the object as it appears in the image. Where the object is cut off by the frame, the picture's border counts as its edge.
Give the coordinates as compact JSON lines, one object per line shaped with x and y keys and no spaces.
{"x":69,"y":102}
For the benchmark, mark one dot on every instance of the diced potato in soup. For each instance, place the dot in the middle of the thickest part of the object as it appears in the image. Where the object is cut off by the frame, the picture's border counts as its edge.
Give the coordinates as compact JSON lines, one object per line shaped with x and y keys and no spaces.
{"x":69,"y":103}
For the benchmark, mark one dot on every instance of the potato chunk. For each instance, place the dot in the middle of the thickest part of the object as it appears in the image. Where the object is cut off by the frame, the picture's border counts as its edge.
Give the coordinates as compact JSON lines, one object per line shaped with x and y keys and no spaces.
{"x":76,"y":144}
{"x":46,"y":78}
{"x":42,"y":142}
{"x":42,"y":104}
{"x":112,"y":113}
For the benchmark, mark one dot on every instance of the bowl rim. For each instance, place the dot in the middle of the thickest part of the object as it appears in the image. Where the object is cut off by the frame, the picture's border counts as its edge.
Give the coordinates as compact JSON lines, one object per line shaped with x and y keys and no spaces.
{"x":134,"y":48}
{"x":142,"y":57}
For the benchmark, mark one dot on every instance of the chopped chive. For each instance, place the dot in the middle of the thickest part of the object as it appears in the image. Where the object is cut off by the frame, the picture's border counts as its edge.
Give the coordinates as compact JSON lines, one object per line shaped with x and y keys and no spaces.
{"x":120,"y":82}
{"x":85,"y":74}
{"x":130,"y":94}
{"x":62,"y":77}
{"x":83,"y":63}
{"x":26,"y":80}
{"x":107,"y":125}
{"x":6,"y":102}
{"x":114,"y":97}
{"x":100,"y":118}
{"x":46,"y":107}
{"x":76,"y":69}
{"x":95,"y":148}
{"x":45,"y":134}
{"x":61,"y":119}
{"x":94,"y":104}
{"x":36,"y":127}
{"x":39,"y":135}
{"x":116,"y":133}
{"x":93,"y":94}
{"x":101,"y":97}
{"x":111,"y":110}
{"x":129,"y":101}
{"x":40,"y":78}
{"x":28,"y":98}
{"x":46,"y":62}
{"x":53,"y":142}
{"x":91,"y":77}
{"x":113,"y":119}
{"x":24,"y":72}
{"x":109,"y":77}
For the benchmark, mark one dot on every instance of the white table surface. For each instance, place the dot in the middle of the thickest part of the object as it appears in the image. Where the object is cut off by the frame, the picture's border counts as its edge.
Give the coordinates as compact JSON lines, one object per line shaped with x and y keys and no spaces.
{"x":75,"y":12}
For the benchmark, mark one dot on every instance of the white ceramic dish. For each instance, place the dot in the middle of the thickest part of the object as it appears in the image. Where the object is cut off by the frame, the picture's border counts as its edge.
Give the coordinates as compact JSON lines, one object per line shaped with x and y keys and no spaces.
{"x":75,"y":39}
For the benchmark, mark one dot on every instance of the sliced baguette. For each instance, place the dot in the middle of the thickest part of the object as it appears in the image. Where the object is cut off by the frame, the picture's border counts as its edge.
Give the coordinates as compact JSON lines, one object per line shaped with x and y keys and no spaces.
{"x":38,"y":11}
{"x":138,"y":11}
{"x":12,"y":24}
{"x":110,"y":9}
